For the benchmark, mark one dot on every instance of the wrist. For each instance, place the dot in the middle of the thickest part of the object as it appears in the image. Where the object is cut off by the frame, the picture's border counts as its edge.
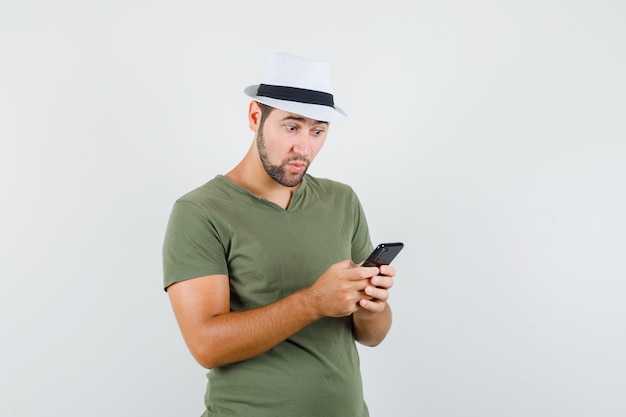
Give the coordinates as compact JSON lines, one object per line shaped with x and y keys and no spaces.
{"x":306,"y":302}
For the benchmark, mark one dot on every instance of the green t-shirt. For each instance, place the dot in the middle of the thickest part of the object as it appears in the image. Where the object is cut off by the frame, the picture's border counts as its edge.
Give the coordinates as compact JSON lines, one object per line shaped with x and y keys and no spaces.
{"x":268,"y":253}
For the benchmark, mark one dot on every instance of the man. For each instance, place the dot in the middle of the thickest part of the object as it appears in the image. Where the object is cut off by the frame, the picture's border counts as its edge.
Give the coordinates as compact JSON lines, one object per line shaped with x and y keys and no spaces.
{"x":258,"y":264}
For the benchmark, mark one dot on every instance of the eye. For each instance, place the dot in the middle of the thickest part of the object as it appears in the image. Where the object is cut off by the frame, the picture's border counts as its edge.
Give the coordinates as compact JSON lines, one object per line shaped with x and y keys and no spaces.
{"x":291,"y":128}
{"x":318,"y":132}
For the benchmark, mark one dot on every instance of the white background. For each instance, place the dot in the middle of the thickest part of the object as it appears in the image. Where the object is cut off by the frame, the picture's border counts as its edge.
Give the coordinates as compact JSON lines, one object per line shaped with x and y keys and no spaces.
{"x":488,"y":136}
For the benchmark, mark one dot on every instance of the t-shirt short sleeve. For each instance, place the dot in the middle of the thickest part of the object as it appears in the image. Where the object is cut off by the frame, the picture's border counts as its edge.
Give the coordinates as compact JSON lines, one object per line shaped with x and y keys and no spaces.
{"x":192,"y":247}
{"x":361,"y":241}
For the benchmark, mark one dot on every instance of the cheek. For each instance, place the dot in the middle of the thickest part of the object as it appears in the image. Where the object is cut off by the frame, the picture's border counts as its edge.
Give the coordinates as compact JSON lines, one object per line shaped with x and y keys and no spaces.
{"x":317,"y":145}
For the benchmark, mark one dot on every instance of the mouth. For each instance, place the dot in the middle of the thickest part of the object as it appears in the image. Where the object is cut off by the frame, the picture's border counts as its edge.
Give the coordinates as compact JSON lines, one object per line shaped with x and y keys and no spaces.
{"x":297,"y":166}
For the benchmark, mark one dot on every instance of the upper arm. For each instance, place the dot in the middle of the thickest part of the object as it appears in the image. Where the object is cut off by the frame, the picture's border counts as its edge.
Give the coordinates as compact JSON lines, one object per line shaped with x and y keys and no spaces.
{"x":192,"y":246}
{"x":196,"y":300}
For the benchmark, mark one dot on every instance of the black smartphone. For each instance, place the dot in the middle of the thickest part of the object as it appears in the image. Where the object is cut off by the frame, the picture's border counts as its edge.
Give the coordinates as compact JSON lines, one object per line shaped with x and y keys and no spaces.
{"x":383,"y":254}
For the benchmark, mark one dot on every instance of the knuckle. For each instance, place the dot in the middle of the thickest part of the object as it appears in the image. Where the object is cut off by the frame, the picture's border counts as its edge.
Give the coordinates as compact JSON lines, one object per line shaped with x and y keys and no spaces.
{"x":363,"y":273}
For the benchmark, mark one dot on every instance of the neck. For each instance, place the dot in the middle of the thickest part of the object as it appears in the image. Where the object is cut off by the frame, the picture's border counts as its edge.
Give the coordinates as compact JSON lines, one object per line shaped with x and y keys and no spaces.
{"x":251,"y":175}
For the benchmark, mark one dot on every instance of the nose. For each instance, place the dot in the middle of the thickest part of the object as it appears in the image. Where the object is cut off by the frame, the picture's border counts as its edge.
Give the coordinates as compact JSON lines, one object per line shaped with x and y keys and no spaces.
{"x":302,"y":145}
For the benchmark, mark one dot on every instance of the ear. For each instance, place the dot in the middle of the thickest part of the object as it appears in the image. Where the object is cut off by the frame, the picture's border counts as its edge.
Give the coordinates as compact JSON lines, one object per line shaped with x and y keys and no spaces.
{"x":254,"y":116}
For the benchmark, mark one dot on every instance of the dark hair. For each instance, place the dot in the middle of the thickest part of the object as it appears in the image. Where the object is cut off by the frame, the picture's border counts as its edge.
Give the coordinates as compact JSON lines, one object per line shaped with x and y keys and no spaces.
{"x":265,"y":112}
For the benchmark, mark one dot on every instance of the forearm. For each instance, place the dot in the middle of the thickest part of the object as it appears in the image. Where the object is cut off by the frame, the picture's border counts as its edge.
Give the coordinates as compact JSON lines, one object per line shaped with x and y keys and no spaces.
{"x":370,"y":329}
{"x":217,"y":336}
{"x":236,"y":336}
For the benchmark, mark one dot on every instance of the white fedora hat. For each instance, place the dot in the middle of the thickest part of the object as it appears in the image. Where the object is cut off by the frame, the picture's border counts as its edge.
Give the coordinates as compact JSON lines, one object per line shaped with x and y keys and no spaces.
{"x":297,"y":85}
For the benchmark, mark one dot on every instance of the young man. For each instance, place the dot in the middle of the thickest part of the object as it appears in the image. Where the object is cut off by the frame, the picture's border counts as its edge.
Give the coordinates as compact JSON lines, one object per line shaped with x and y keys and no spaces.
{"x":258,"y":264}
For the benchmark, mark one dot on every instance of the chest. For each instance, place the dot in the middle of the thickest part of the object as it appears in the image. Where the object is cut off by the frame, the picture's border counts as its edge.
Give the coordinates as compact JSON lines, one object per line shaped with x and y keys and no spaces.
{"x":273,"y":254}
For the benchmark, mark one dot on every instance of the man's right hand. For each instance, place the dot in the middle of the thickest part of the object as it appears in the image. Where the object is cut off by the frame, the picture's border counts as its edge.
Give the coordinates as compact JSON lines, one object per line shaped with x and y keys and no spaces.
{"x":340,"y":288}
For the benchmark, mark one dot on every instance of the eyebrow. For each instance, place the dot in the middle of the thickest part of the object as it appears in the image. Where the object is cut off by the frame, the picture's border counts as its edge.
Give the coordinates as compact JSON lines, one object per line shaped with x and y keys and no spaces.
{"x":303,"y":119}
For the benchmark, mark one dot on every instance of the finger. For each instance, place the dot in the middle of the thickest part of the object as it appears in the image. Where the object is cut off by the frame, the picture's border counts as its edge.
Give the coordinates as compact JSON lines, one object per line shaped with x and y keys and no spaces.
{"x":388,"y":270}
{"x":382,"y":281}
{"x":372,"y":305}
{"x":365,"y":273}
{"x":377,"y":293}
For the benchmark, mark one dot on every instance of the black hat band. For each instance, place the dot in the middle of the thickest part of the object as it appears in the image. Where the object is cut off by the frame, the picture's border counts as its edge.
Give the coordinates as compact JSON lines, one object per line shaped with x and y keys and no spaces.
{"x":300,"y":95}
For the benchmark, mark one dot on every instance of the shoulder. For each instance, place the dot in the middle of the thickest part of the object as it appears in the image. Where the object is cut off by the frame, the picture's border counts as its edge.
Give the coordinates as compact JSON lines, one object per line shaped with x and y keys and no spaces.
{"x":216,"y":193}
{"x":332,"y":193}
{"x":328,"y":185}
{"x":214,"y":188}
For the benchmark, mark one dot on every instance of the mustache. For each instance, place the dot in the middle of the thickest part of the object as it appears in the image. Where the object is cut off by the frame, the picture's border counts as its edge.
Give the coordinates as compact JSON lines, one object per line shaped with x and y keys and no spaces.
{"x":302,"y":161}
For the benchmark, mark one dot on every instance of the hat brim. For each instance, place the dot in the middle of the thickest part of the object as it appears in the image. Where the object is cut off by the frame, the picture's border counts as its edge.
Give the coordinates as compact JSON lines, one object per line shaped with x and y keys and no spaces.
{"x":313,"y":111}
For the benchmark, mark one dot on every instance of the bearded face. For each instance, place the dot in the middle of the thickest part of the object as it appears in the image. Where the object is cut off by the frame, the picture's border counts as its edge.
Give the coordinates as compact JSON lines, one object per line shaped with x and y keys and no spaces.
{"x":290,"y":171}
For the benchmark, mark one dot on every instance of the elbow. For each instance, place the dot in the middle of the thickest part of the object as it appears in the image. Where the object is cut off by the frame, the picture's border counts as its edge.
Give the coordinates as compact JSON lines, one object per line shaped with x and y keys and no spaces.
{"x":206,"y":355}
{"x":205,"y":362}
{"x":371,"y":342}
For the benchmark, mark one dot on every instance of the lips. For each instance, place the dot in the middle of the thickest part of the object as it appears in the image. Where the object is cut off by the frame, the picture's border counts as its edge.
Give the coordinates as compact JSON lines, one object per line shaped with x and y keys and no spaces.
{"x":297,"y":168}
